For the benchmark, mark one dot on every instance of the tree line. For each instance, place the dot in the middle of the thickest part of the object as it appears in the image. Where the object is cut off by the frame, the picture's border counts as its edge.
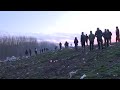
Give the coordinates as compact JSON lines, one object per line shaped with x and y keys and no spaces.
{"x":16,"y":45}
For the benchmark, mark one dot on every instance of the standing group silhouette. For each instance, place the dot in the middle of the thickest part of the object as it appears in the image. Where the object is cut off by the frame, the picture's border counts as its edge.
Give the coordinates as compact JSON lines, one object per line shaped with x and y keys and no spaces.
{"x":84,"y":39}
{"x":29,"y":52}
{"x":107,"y":35}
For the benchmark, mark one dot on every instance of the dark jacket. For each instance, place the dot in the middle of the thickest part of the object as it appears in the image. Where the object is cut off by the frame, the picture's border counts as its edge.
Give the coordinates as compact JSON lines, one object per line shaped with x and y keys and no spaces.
{"x":91,"y":37}
{"x":60,"y":44}
{"x":105,"y":34}
{"x":110,"y":34}
{"x":83,"y":38}
{"x":99,"y":34}
{"x":66,"y":44}
{"x":75,"y":41}
{"x":86,"y":37}
{"x":117,"y":32}
{"x":26,"y":52}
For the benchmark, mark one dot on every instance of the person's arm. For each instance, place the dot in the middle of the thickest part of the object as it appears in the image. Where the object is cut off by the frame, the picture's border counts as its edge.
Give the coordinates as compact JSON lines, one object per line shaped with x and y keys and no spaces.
{"x":81,"y":38}
{"x":74,"y":41}
{"x":111,"y":33}
{"x":102,"y":33}
{"x":89,"y":37}
{"x":96,"y":34}
{"x":116,"y":32}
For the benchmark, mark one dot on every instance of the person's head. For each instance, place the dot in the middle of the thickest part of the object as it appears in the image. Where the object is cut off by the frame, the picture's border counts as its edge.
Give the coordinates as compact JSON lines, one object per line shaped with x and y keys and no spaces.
{"x":97,"y":29}
{"x":105,"y":30}
{"x":75,"y":37}
{"x":82,"y":33}
{"x":90,"y":32}
{"x":116,"y":27}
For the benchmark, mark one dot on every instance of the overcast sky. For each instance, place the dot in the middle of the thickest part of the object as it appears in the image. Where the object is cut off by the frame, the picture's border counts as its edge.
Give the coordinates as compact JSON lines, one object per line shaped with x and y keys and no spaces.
{"x":57,"y":25}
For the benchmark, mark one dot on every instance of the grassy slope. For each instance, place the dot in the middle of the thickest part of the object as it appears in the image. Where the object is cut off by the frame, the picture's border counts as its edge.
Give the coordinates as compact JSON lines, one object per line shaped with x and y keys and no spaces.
{"x":104,"y":62}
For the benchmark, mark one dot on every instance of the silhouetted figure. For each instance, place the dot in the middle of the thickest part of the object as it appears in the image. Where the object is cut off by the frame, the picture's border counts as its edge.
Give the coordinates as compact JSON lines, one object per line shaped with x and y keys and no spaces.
{"x":86,"y":39}
{"x":76,"y":43}
{"x":91,"y":39}
{"x":60,"y":45}
{"x":55,"y":47}
{"x":26,"y":52}
{"x":66,"y":44}
{"x":117,"y":34}
{"x":83,"y":38}
{"x":99,"y":35}
{"x":42,"y":50}
{"x":35,"y":51}
{"x":30,"y":52}
{"x":105,"y":38}
{"x":110,"y":37}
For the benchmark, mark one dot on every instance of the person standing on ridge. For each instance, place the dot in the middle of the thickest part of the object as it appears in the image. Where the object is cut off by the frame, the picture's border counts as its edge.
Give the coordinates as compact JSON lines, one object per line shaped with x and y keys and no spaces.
{"x":91,"y":39}
{"x":26,"y":52}
{"x":104,"y":36}
{"x":76,"y":43}
{"x":99,"y":35}
{"x":56,"y":47}
{"x":86,"y":39}
{"x":110,"y":36}
{"x":107,"y":37}
{"x":66,"y":44}
{"x":60,"y":45}
{"x":117,"y":34}
{"x":83,"y":38}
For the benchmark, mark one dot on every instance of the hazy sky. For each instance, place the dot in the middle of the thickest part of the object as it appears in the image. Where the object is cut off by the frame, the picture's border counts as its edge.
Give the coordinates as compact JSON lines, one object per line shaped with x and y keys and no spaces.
{"x":57,"y":25}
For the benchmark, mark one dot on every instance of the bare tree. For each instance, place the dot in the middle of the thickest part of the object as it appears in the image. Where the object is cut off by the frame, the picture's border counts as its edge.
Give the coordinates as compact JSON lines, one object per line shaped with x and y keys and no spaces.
{"x":16,"y":46}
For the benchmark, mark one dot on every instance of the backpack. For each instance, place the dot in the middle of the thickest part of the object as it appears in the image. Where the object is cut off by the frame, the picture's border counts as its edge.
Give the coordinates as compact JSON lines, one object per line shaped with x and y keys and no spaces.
{"x":75,"y":41}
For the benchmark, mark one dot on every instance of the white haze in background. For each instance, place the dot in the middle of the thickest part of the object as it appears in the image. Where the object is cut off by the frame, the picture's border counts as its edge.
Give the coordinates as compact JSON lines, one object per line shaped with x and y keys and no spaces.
{"x":70,"y":24}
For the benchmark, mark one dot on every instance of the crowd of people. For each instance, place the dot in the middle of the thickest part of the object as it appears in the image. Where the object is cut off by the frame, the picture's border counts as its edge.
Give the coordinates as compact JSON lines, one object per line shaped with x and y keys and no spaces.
{"x":107,"y":35}
{"x":29,"y":52}
{"x":84,"y":39}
